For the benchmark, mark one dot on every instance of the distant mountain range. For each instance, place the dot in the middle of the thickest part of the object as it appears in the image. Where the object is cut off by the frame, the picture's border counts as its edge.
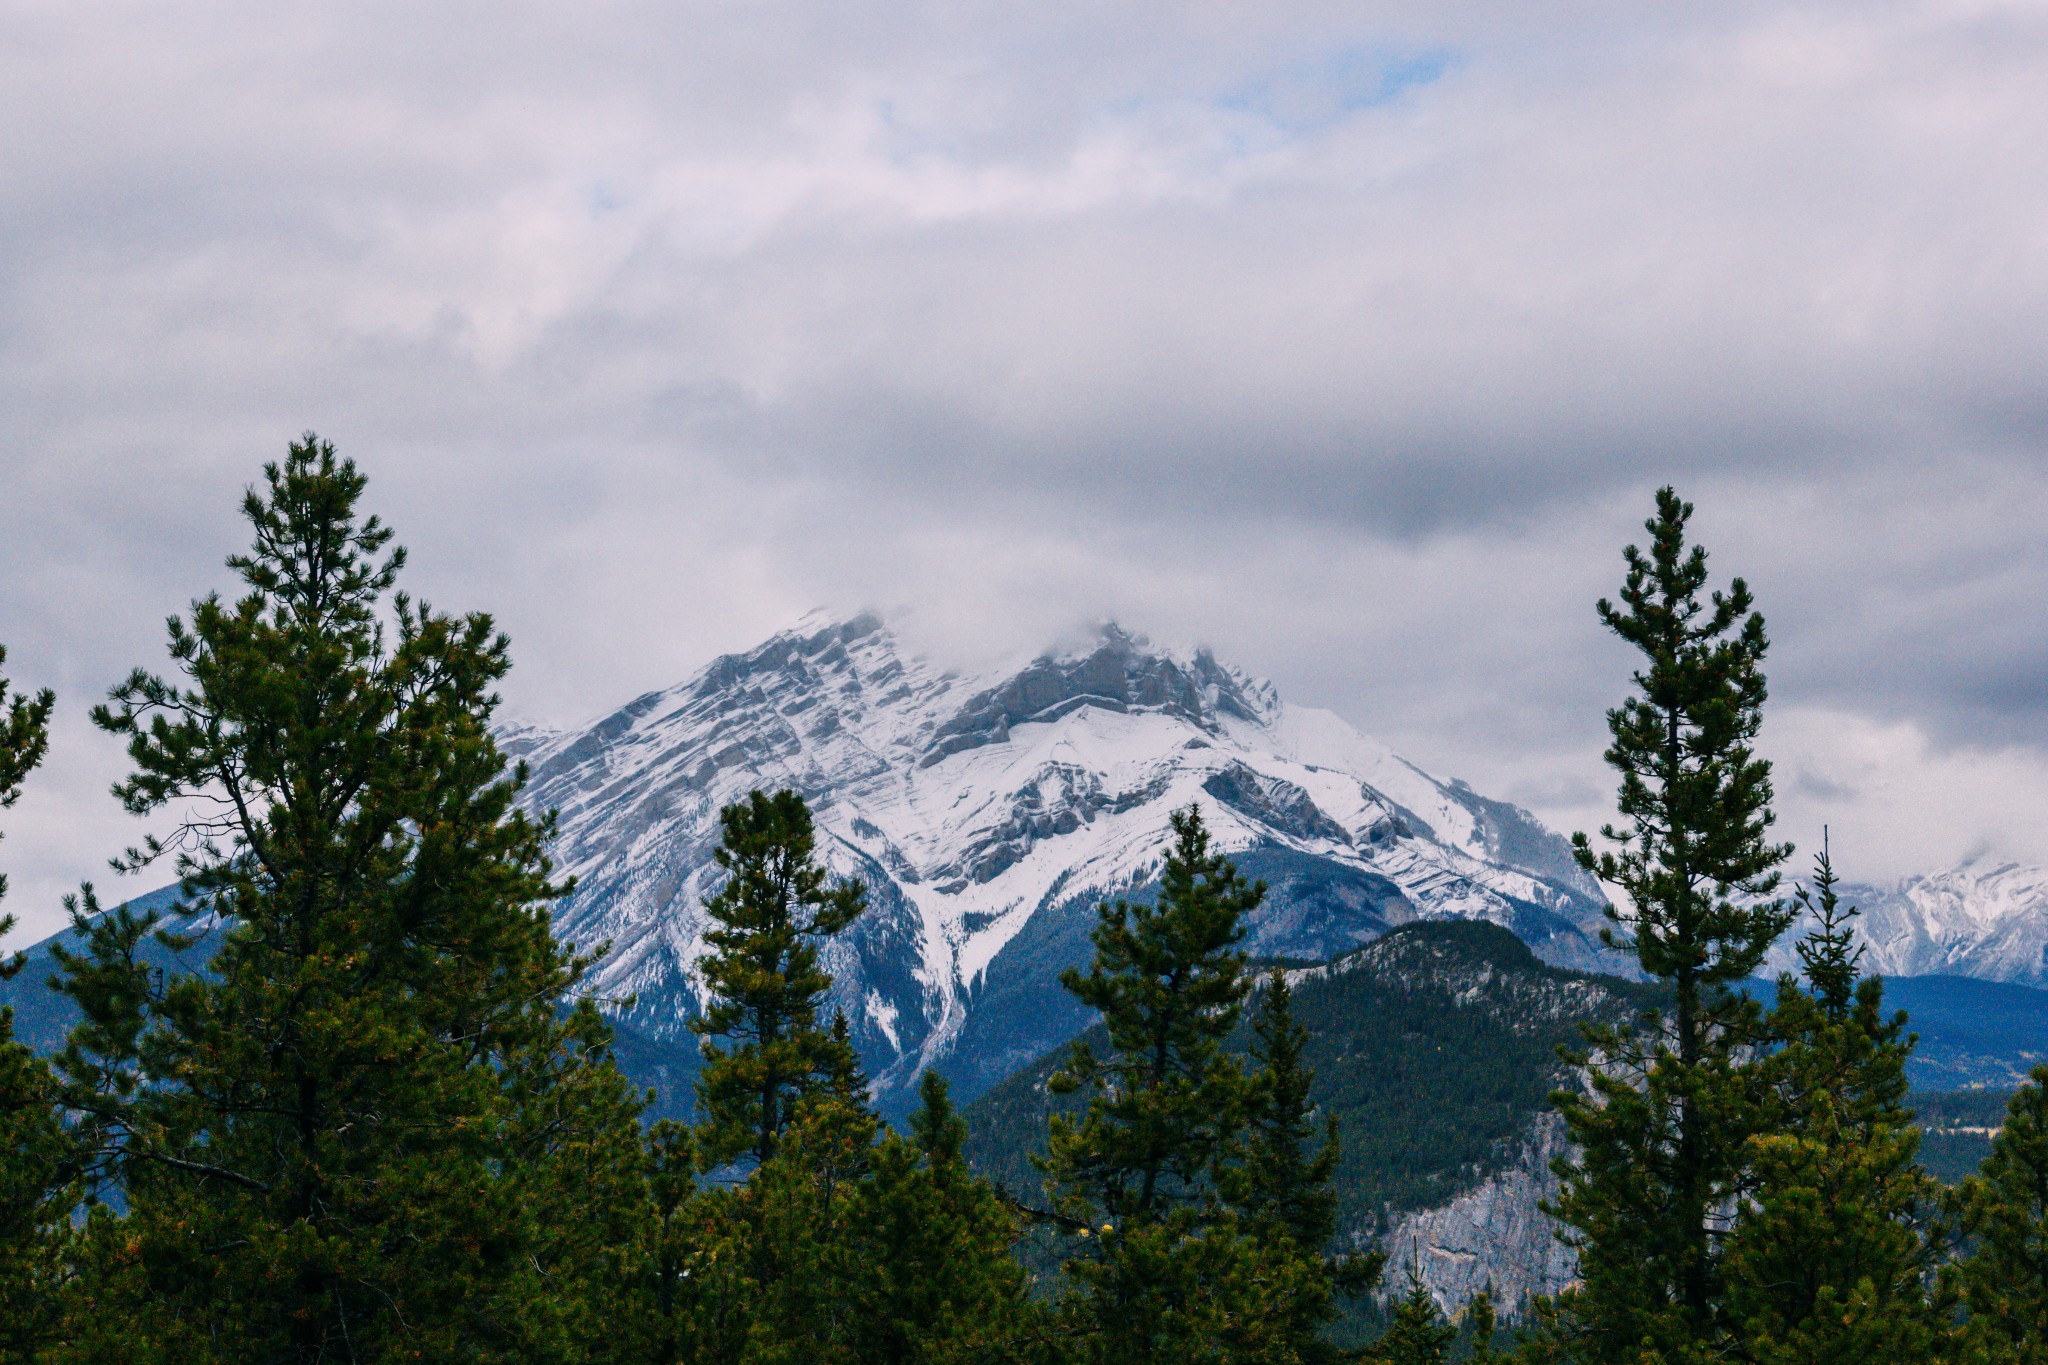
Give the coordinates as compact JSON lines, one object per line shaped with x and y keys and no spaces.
{"x":989,"y":814}
{"x":1982,"y":919}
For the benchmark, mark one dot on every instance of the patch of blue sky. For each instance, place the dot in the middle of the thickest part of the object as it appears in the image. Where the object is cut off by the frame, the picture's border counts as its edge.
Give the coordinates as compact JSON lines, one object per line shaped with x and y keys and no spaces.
{"x":907,"y":144}
{"x":1314,"y":94}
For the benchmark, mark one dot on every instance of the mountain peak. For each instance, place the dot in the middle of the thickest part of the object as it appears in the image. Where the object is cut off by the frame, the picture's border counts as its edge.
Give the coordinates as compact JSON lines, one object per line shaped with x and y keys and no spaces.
{"x":988,"y":812}
{"x":1117,"y":672}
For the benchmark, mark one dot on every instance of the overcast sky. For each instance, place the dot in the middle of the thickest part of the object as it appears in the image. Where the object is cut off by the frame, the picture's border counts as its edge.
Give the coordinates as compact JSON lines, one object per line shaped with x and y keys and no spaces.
{"x":1350,"y":339}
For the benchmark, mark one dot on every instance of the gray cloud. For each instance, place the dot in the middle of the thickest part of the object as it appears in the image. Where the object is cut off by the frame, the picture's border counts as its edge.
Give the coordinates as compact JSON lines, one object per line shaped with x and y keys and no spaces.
{"x":1348,"y":339}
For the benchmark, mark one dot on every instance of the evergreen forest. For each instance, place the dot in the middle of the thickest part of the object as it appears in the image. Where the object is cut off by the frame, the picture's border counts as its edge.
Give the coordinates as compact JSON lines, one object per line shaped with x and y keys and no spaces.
{"x":384,"y":1121}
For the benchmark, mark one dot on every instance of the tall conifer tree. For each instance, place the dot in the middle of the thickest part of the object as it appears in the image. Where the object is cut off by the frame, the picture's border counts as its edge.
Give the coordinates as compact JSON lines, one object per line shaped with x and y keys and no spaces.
{"x":774,"y":911}
{"x":1162,"y":1268}
{"x":353,"y":1136}
{"x":1279,"y":1182}
{"x":1417,"y":1334}
{"x":938,"y":1284}
{"x":2003,"y":1282}
{"x":1664,"y":1136}
{"x":1833,"y":1249}
{"x":34,"y":1155}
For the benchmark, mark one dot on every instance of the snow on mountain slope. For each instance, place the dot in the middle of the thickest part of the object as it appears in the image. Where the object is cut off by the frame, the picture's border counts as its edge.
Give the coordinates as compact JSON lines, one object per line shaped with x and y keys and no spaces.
{"x":988,"y":814}
{"x":1980,"y":919}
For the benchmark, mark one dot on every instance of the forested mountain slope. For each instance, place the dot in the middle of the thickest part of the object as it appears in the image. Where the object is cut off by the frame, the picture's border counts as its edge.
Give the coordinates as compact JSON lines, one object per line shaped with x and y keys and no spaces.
{"x":1435,"y":1047}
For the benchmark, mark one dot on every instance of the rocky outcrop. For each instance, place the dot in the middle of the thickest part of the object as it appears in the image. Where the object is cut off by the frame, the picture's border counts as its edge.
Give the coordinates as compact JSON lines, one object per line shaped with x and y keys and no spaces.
{"x":1494,"y":1237}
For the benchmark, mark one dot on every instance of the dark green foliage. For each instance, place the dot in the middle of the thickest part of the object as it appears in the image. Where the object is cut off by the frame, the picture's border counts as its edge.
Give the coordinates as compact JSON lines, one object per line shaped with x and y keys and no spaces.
{"x":366,"y":1132}
{"x":883,"y":1252}
{"x":1278,"y":1181}
{"x":1169,"y":983}
{"x":846,"y":1243}
{"x":1131,"y":1176}
{"x":1694,"y":856}
{"x":1429,"y":1089}
{"x":1181,"y":1184}
{"x":771,"y":913}
{"x":36,"y":1198}
{"x":1665,"y":1132}
{"x":938,"y":1281}
{"x":1418,"y":1333}
{"x":663,"y":1253}
{"x":1832,"y":1255}
{"x":36,"y":1193}
{"x":2003,"y":1282}
{"x":803,"y":1213}
{"x":1284,"y":1165}
{"x":24,"y":739}
{"x":1956,"y":1128}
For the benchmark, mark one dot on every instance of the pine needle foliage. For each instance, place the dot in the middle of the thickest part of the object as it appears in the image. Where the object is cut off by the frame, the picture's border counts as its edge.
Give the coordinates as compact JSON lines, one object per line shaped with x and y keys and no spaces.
{"x":367,"y":1131}
{"x":2003,"y":1282}
{"x":36,"y":1187}
{"x":1184,"y":1210}
{"x":884,"y":1252}
{"x":1169,"y":982}
{"x":24,"y":739}
{"x":939,"y":1284}
{"x":1838,"y":1235}
{"x":775,"y":909}
{"x":1664,"y":1133}
{"x":1279,"y":1179}
{"x":1285,"y":1163}
{"x":1418,"y":1334}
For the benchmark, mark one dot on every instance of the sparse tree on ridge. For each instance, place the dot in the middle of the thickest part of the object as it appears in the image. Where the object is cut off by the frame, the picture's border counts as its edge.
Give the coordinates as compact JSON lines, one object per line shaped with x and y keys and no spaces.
{"x":368,"y":1130}
{"x":1664,"y":1136}
{"x":35,"y":1186}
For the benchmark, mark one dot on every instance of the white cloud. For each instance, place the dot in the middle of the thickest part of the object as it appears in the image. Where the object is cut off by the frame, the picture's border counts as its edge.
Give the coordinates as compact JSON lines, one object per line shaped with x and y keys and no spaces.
{"x":1348,"y":338}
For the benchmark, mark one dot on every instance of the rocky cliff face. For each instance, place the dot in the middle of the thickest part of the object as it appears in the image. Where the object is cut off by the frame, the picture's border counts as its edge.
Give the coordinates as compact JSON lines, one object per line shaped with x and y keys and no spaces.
{"x":988,"y":815}
{"x":1435,"y":1050}
{"x":1492,"y":1238}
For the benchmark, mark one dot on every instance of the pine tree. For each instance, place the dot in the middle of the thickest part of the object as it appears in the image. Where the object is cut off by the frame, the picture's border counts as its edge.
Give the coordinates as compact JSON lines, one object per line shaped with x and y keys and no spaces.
{"x":1833,"y":1249}
{"x":36,"y":1192}
{"x":1664,"y":1135}
{"x":803,"y":1208}
{"x":937,"y":1284}
{"x":1418,"y":1334}
{"x":1280,"y":1181}
{"x":772,"y":912}
{"x":2003,"y":1282}
{"x":1159,"y":1272}
{"x":662,"y":1258}
{"x":354,"y":1136}
{"x":24,"y":739}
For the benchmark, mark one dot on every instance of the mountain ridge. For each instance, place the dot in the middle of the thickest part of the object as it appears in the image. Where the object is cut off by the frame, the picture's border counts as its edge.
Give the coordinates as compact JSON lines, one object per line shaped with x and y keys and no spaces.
{"x":989,"y":813}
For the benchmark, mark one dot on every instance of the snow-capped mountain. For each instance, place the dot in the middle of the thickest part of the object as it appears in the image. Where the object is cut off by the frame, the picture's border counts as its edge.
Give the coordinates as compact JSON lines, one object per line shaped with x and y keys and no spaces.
{"x":1981,"y":919}
{"x":989,"y":814}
